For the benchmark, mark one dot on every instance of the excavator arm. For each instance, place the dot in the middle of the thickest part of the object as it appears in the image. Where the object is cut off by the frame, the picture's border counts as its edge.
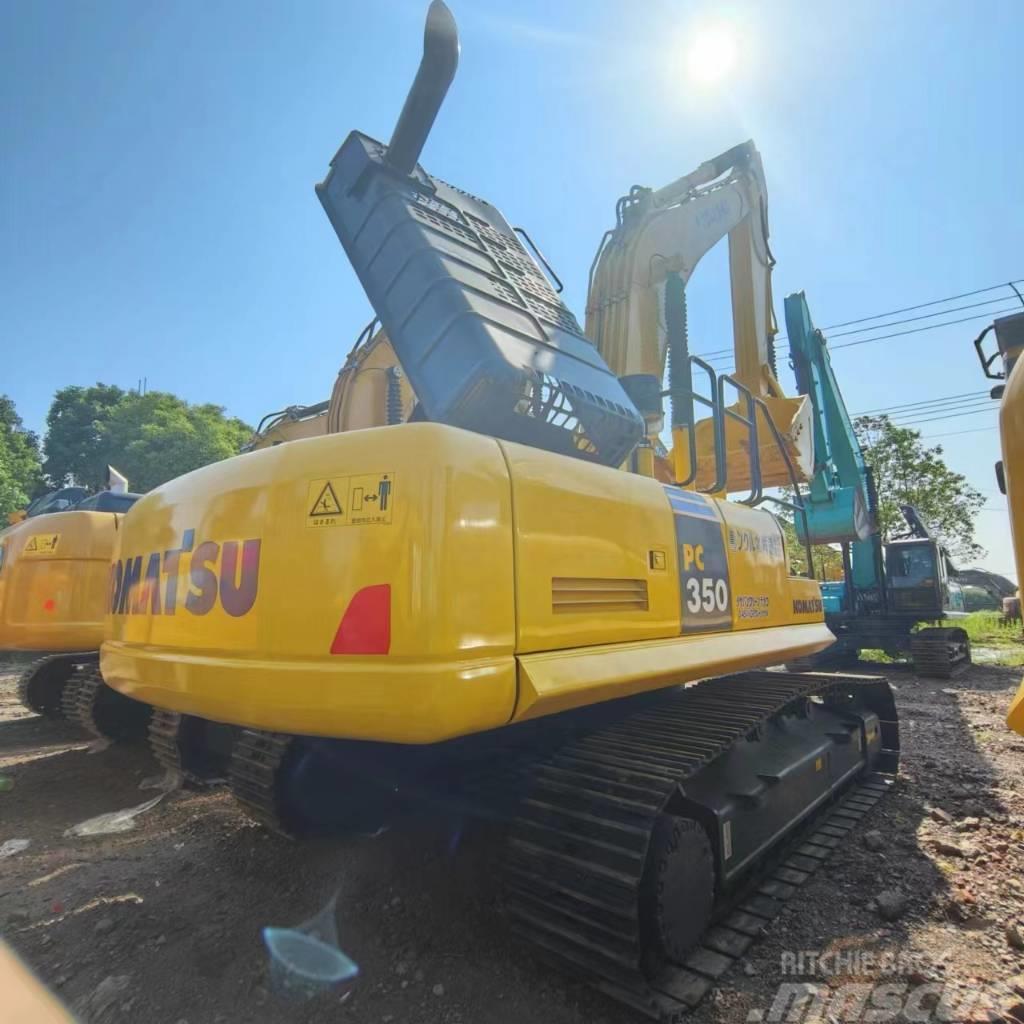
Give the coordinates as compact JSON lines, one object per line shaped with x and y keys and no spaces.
{"x":636,"y":313}
{"x":665,"y":233}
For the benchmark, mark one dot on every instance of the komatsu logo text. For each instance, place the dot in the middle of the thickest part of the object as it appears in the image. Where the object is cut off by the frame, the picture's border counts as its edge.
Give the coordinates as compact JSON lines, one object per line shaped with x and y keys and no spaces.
{"x":158,"y":583}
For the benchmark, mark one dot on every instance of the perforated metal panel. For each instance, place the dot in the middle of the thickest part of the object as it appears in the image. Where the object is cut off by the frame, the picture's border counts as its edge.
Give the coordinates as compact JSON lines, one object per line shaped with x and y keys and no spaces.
{"x":485,"y":340}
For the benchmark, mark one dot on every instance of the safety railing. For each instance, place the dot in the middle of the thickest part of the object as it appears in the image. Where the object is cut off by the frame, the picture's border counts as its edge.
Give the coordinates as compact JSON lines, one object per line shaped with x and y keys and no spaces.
{"x":747,"y":416}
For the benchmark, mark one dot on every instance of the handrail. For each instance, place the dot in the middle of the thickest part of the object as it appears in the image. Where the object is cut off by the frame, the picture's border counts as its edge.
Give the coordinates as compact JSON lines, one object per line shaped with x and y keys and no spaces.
{"x":800,"y":505}
{"x":719,"y":413}
{"x":754,"y":453}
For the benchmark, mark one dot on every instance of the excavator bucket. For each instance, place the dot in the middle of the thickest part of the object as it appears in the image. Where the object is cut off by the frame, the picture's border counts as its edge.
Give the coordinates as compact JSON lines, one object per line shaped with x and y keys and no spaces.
{"x":784,"y":454}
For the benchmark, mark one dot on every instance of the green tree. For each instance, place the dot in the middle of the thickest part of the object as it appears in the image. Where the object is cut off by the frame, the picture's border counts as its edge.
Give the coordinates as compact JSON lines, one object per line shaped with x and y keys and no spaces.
{"x":909,"y":472}
{"x":150,"y":438}
{"x":75,"y":443}
{"x":828,"y":561}
{"x":20,"y":472}
{"x":156,"y":437}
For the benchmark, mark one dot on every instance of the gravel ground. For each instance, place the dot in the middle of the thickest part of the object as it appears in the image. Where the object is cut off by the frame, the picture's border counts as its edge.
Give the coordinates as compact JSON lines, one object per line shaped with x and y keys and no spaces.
{"x":163,"y":923}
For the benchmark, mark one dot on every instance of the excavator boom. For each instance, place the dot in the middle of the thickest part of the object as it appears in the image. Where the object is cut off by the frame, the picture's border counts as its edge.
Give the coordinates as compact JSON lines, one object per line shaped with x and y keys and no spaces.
{"x":636,"y":315}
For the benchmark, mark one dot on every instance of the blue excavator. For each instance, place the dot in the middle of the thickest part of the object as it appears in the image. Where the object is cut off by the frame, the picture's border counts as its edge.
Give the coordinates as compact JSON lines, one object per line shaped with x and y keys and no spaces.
{"x":899,"y":595}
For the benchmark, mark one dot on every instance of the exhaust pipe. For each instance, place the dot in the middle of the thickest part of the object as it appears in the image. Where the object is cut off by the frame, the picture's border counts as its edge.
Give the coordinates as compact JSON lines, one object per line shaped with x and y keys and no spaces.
{"x":434,"y":76}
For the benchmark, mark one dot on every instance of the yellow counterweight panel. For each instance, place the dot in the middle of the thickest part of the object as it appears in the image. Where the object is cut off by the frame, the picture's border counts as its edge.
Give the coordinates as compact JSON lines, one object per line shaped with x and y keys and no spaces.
{"x":420,"y":509}
{"x":586,"y":538}
{"x":404,"y":583}
{"x":54,"y":573}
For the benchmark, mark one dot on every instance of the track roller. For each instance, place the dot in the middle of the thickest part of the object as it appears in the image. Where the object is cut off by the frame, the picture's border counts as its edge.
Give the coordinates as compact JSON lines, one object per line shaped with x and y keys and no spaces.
{"x":198,"y":750}
{"x":41,"y":684}
{"x":89,"y":702}
{"x":940,"y":653}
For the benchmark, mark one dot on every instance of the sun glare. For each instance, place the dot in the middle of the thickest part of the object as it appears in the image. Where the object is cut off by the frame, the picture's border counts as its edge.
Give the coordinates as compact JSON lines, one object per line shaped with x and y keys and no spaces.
{"x":711,"y":55}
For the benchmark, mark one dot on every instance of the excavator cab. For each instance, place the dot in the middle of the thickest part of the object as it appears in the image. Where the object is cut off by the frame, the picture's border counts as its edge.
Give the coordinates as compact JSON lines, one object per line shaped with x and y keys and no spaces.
{"x":919,"y":580}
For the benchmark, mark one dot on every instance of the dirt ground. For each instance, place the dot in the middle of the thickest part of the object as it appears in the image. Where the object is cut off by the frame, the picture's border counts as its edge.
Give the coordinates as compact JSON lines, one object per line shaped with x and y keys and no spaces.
{"x":173,"y":911}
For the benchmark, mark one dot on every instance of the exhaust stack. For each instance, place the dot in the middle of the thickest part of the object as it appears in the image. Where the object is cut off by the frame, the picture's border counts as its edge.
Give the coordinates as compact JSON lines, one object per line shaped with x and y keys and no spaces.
{"x":429,"y":88}
{"x":483,"y":339}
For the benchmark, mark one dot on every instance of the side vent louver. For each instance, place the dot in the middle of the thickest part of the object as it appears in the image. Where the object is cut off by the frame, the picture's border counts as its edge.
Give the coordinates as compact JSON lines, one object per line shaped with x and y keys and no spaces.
{"x":586,"y":594}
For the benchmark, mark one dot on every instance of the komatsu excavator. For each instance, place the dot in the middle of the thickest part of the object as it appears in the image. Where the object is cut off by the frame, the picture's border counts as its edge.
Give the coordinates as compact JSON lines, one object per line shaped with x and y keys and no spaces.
{"x":1009,"y":332}
{"x":499,"y":601}
{"x":54,"y":571}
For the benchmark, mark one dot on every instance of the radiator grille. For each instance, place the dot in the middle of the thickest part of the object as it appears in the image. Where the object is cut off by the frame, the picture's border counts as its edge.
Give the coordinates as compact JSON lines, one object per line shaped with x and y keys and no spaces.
{"x":585,"y":594}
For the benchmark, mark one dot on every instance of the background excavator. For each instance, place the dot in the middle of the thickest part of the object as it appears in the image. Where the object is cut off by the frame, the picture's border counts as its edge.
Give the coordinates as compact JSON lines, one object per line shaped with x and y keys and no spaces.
{"x":492,"y":604}
{"x":889,"y":587}
{"x":54,"y":584}
{"x":1009,"y":332}
{"x":370,"y":391}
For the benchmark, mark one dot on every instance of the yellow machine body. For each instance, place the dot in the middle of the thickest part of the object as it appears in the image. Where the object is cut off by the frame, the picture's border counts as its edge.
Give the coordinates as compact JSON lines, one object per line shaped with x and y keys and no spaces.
{"x":371,"y":390}
{"x":54,"y":574}
{"x":460,"y":581}
{"x":1011,"y":430}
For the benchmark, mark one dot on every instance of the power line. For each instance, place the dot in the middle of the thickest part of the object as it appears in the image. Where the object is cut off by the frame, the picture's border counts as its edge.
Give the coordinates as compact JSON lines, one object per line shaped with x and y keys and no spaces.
{"x":950,"y":416}
{"x":924,"y":305}
{"x":923,"y":316}
{"x":929,"y":327}
{"x":957,"y":433}
{"x":928,"y":401}
{"x":724,"y":353}
{"x":898,"y":413}
{"x":953,"y":410}
{"x":713,"y":353}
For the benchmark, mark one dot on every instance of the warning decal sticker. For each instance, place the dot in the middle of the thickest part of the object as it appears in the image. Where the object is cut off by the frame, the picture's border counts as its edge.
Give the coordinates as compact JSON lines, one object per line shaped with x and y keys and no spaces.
{"x":327,"y":503}
{"x":364,"y":500}
{"x":42,"y":544}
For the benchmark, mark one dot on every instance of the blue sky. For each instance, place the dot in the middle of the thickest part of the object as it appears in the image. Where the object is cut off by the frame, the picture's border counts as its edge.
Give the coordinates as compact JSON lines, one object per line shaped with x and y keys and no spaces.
{"x":157,"y":164}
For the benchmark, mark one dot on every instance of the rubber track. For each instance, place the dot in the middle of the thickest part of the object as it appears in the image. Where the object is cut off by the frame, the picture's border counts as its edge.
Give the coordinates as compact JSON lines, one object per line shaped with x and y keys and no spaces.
{"x":79,"y":698}
{"x":163,"y":739}
{"x":255,"y":759}
{"x":83,"y":700}
{"x":932,"y":653}
{"x":27,"y":677}
{"x":578,"y":844}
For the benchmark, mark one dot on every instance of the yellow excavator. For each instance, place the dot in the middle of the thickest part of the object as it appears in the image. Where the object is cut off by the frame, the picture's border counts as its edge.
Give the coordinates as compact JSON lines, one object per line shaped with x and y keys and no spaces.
{"x":54,"y":579}
{"x":1009,"y":333}
{"x":370,"y":391}
{"x":515,"y":602}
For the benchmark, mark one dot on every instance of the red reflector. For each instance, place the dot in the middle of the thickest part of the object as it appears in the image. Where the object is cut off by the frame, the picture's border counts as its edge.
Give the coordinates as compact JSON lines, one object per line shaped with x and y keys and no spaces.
{"x":49,"y":604}
{"x":365,"y":628}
